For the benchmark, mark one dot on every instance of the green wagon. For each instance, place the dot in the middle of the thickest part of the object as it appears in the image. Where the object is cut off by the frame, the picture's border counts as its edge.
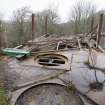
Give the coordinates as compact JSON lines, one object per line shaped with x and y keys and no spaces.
{"x":18,"y":53}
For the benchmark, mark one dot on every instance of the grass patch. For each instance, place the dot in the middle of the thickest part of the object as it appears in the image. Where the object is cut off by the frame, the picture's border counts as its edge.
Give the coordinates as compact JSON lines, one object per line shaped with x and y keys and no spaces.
{"x":87,"y":62}
{"x":3,"y":96}
{"x":2,"y":62}
{"x":72,"y":88}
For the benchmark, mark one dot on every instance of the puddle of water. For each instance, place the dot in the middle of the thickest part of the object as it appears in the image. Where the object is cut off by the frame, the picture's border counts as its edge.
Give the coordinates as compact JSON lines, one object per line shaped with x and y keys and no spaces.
{"x":82,"y":77}
{"x":97,"y":59}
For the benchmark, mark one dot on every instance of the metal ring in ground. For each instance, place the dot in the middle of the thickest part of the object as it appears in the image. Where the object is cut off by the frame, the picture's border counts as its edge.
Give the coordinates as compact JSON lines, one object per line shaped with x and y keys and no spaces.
{"x":49,"y":94}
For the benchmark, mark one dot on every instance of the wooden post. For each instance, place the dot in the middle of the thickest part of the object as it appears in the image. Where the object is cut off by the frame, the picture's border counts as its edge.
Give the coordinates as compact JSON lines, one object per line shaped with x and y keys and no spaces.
{"x":46,"y":24}
{"x":92,"y":24}
{"x":33,"y":26}
{"x":99,"y":29}
{"x":0,"y":35}
{"x":6,"y":38}
{"x":0,"y":41}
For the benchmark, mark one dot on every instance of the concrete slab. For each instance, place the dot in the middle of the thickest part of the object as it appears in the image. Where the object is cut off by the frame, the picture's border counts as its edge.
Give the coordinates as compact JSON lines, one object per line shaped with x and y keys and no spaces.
{"x":80,"y":74}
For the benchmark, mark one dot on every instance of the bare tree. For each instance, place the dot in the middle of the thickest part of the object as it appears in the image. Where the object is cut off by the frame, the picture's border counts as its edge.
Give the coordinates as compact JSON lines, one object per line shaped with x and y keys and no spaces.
{"x":80,"y":16}
{"x":0,"y":34}
{"x":1,"y":31}
{"x":52,"y":19}
{"x":20,"y":22}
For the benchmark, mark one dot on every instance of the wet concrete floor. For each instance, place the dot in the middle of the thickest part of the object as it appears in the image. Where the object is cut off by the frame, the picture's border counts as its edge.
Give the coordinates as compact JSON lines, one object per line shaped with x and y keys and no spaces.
{"x":20,"y":74}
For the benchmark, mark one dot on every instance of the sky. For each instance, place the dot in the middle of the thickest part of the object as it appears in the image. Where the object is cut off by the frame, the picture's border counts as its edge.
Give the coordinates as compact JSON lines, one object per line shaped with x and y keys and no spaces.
{"x":64,"y":6}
